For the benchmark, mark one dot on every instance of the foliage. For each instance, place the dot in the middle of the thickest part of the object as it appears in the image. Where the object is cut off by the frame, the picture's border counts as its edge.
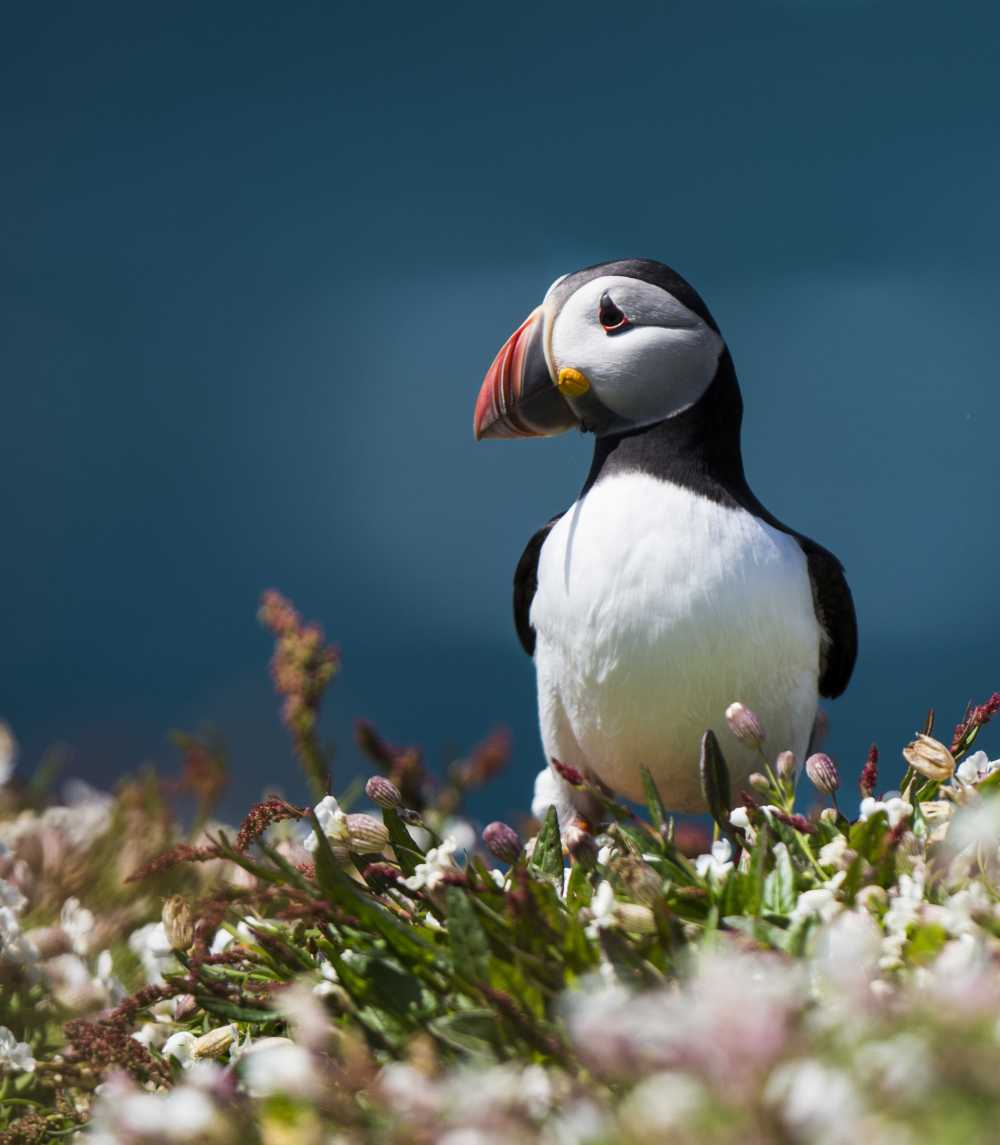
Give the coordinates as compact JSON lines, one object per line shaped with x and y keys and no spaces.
{"x":318,"y":975}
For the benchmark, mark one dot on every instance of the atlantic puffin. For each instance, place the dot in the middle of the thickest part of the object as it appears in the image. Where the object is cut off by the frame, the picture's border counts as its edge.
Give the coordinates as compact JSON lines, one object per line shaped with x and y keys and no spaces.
{"x":666,"y":591}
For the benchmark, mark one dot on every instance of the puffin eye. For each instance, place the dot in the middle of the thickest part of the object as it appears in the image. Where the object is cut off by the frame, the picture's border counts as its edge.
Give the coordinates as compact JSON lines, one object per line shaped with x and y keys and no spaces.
{"x":611,"y":317}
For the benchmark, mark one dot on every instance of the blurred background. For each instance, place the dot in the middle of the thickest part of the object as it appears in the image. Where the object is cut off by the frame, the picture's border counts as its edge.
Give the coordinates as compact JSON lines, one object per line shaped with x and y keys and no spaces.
{"x":256,"y":258}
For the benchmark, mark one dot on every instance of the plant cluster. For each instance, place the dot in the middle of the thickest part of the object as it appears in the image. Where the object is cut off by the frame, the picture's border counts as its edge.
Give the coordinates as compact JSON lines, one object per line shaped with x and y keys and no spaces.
{"x":318,"y":975}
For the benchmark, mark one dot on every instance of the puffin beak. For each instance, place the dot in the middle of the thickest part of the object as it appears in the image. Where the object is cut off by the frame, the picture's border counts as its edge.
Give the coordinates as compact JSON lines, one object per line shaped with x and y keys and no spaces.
{"x":519,"y":397}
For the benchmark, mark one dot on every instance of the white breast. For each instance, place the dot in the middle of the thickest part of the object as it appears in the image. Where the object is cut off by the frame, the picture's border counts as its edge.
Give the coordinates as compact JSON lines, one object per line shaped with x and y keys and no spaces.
{"x":655,"y":610}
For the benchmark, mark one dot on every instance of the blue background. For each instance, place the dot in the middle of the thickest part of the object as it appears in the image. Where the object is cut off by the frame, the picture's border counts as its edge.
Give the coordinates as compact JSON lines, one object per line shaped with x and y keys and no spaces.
{"x":255,"y":259}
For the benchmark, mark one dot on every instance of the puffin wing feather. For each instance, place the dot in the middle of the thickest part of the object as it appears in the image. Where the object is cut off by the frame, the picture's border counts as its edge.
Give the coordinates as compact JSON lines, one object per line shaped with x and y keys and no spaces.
{"x":834,"y":607}
{"x":526,"y":584}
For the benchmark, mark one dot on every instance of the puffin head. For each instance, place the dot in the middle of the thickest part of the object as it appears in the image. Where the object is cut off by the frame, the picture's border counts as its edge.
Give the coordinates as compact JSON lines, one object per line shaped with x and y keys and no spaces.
{"x":612,"y":347}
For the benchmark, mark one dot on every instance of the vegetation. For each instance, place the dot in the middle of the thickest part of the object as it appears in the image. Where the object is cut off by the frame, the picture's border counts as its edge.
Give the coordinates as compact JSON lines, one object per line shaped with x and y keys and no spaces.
{"x":318,"y":975}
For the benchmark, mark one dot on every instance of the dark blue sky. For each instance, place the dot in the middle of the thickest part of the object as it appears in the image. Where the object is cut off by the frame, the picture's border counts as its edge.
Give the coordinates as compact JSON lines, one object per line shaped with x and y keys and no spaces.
{"x":255,"y":259}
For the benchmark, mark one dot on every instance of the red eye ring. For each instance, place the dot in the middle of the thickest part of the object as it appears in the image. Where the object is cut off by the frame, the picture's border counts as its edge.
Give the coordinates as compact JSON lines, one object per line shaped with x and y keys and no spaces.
{"x":611,"y":318}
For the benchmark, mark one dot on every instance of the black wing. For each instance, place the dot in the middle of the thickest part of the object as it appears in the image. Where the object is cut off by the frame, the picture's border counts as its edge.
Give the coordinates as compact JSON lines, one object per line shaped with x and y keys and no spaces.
{"x":834,"y":607}
{"x":525,"y":584}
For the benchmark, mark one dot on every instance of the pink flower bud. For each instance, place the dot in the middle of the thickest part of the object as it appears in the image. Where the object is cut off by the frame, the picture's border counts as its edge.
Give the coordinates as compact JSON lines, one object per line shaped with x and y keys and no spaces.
{"x":582,"y":846}
{"x":367,"y":835}
{"x":502,"y":842}
{"x":383,"y":792}
{"x":784,"y":765}
{"x":823,"y":774}
{"x":745,"y":726}
{"x":760,"y":782}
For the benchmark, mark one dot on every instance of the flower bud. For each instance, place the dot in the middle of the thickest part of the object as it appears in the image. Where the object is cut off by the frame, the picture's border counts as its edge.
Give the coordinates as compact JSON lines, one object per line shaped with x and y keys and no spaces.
{"x":582,"y":846}
{"x":930,"y":758}
{"x":214,"y":1044}
{"x":186,"y":1007}
{"x":641,"y":883}
{"x":367,"y":835}
{"x":383,"y":792}
{"x":49,"y":941}
{"x":823,"y":774}
{"x":502,"y":842}
{"x":177,"y":924}
{"x":760,"y":782}
{"x":784,"y":765}
{"x":745,"y":726}
{"x":635,"y":918}
{"x":828,"y":815}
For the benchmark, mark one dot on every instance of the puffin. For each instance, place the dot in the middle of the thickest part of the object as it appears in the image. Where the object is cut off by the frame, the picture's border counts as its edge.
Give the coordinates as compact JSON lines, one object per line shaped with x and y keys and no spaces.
{"x":667,"y":591}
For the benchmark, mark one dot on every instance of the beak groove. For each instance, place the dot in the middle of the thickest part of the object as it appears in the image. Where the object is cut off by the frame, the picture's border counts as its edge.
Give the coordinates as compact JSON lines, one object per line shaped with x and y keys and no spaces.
{"x":518,"y":397}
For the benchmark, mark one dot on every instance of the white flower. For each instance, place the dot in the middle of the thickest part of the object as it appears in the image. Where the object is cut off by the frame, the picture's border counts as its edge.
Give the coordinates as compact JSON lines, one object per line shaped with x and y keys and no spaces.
{"x":437,"y":863}
{"x":663,"y":1105}
{"x":602,"y":906}
{"x":832,"y":854}
{"x":78,"y":923}
{"x":278,"y":1065}
{"x":606,"y":854}
{"x":718,"y":863}
{"x":15,"y":1055}
{"x":739,"y":818}
{"x":332,"y":822}
{"x":180,"y":1046}
{"x":183,"y":1115}
{"x":896,"y":809}
{"x":976,"y":767}
{"x":11,"y":897}
{"x":820,"y":1104}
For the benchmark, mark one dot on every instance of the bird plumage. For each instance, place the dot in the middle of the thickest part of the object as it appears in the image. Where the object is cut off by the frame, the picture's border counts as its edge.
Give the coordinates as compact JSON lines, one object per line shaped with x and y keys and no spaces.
{"x":667,"y":591}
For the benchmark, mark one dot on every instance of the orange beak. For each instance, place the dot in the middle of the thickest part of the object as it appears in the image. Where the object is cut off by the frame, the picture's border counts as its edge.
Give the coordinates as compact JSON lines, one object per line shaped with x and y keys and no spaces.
{"x":519,"y":397}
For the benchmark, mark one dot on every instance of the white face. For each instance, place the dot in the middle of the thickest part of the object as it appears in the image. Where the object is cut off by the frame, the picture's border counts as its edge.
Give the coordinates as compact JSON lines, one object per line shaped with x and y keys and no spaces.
{"x":660,"y":363}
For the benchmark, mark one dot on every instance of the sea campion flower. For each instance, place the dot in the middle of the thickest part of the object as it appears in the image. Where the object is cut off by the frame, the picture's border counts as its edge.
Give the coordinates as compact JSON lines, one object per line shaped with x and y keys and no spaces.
{"x":366,"y":835}
{"x":430,"y":874}
{"x":896,"y":809}
{"x":930,"y":757}
{"x":784,"y":765}
{"x":582,"y":846}
{"x":745,"y":726}
{"x":502,"y":842}
{"x":823,"y":774}
{"x":333,"y":823}
{"x":177,"y":924}
{"x":718,"y":864}
{"x":976,"y":767}
{"x":383,"y":792}
{"x":15,"y":1055}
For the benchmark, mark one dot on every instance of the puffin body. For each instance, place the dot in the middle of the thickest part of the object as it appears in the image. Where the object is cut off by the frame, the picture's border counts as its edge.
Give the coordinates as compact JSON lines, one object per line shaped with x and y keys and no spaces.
{"x":667,"y":591}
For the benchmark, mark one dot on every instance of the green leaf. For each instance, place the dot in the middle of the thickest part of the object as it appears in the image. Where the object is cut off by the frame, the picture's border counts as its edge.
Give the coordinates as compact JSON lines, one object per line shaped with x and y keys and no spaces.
{"x":403,"y":843}
{"x":578,"y":889}
{"x":766,"y":933}
{"x":392,"y":987}
{"x":232,"y":1011}
{"x":758,"y":864}
{"x":339,"y":889}
{"x":547,"y":857}
{"x":472,"y":1031}
{"x":654,"y":803}
{"x":729,"y":894}
{"x":779,"y":886}
{"x":715,"y":784}
{"x":630,"y":966}
{"x":470,"y":949}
